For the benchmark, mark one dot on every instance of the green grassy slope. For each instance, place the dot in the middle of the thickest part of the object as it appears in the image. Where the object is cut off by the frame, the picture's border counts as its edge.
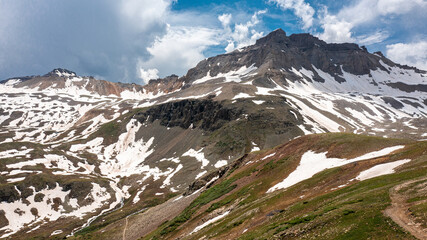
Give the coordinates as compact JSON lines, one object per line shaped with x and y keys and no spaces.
{"x":312,"y":209}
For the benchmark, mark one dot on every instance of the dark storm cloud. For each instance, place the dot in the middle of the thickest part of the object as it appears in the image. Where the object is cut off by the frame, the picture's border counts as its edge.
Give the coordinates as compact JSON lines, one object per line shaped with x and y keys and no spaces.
{"x":89,"y":37}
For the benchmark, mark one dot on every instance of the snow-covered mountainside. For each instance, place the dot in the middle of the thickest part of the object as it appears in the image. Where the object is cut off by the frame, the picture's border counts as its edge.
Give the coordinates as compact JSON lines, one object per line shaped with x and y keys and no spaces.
{"x":335,"y":87}
{"x":74,"y":150}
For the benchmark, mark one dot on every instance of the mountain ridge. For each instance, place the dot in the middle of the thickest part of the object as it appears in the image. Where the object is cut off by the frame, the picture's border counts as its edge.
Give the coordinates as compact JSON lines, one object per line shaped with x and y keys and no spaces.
{"x":305,"y":41}
{"x":299,"y":51}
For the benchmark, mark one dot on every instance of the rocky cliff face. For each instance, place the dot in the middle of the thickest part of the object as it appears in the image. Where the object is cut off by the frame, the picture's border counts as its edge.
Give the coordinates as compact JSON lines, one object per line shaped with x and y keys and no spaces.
{"x":204,"y":114}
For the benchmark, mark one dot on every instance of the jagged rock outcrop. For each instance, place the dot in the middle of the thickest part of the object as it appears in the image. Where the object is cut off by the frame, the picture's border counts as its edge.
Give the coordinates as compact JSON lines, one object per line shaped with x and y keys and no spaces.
{"x":204,"y":114}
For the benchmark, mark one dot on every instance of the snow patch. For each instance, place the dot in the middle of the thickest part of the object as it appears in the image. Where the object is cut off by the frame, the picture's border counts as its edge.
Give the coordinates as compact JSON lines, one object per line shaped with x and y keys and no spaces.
{"x":14,"y":153}
{"x":137,"y":197}
{"x":91,"y":144}
{"x":19,"y":213}
{"x":312,"y":163}
{"x":12,"y":180}
{"x":198,"y":155}
{"x":258,"y":102}
{"x":241,"y":95}
{"x":255,"y":147}
{"x":232,"y":76}
{"x":210,"y":221}
{"x":381,"y":169}
{"x":56,"y":232}
{"x":220,"y":163}
{"x":269,"y":155}
{"x":201,"y":174}
{"x":167,"y":181}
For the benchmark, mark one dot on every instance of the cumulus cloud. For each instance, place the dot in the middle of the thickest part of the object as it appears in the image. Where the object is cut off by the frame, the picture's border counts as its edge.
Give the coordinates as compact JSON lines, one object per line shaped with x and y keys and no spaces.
{"x":335,"y":29}
{"x":182,"y":47}
{"x":243,"y":34}
{"x":145,"y":14}
{"x":147,"y":75}
{"x":398,"y":6}
{"x":179,"y":49}
{"x":372,"y":38}
{"x":412,"y":54}
{"x":301,"y":9}
{"x":345,"y":25}
{"x":339,"y":30}
{"x":339,"y":27}
{"x":225,"y":19}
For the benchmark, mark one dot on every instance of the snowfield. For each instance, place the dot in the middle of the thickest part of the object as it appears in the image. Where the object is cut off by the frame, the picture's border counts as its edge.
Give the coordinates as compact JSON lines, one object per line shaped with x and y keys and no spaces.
{"x":20,"y":214}
{"x":381,"y":169}
{"x":210,"y":221}
{"x":312,"y":163}
{"x":232,"y":76}
{"x":198,"y":155}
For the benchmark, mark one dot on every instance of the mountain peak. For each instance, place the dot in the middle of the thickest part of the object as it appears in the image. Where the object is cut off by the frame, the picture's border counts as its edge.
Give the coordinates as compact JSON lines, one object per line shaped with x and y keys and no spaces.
{"x":278,"y":31}
{"x":306,"y":40}
{"x":277,"y":36}
{"x":62,"y":72}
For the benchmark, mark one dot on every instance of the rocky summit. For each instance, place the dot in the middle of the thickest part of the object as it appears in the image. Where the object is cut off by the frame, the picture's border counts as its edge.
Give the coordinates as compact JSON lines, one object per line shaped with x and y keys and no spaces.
{"x":289,"y":138}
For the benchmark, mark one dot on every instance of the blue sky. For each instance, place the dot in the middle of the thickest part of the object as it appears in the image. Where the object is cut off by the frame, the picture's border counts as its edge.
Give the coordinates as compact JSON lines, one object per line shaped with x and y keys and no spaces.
{"x":135,"y":40}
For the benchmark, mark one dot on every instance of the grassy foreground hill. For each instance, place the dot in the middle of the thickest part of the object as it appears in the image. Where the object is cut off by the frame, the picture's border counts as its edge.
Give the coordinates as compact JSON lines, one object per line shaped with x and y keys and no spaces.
{"x":329,"y":205}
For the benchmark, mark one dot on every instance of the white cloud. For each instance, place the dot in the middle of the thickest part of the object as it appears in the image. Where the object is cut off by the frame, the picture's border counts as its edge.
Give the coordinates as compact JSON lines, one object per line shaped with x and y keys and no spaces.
{"x":144,"y":14}
{"x":180,"y":48}
{"x":412,"y":54}
{"x":243,"y":34}
{"x":365,"y":11}
{"x":335,"y":29}
{"x":339,"y":27}
{"x":225,"y":19}
{"x":339,"y":30}
{"x":399,"y":6}
{"x":149,"y":74}
{"x":369,"y":39}
{"x":301,"y":9}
